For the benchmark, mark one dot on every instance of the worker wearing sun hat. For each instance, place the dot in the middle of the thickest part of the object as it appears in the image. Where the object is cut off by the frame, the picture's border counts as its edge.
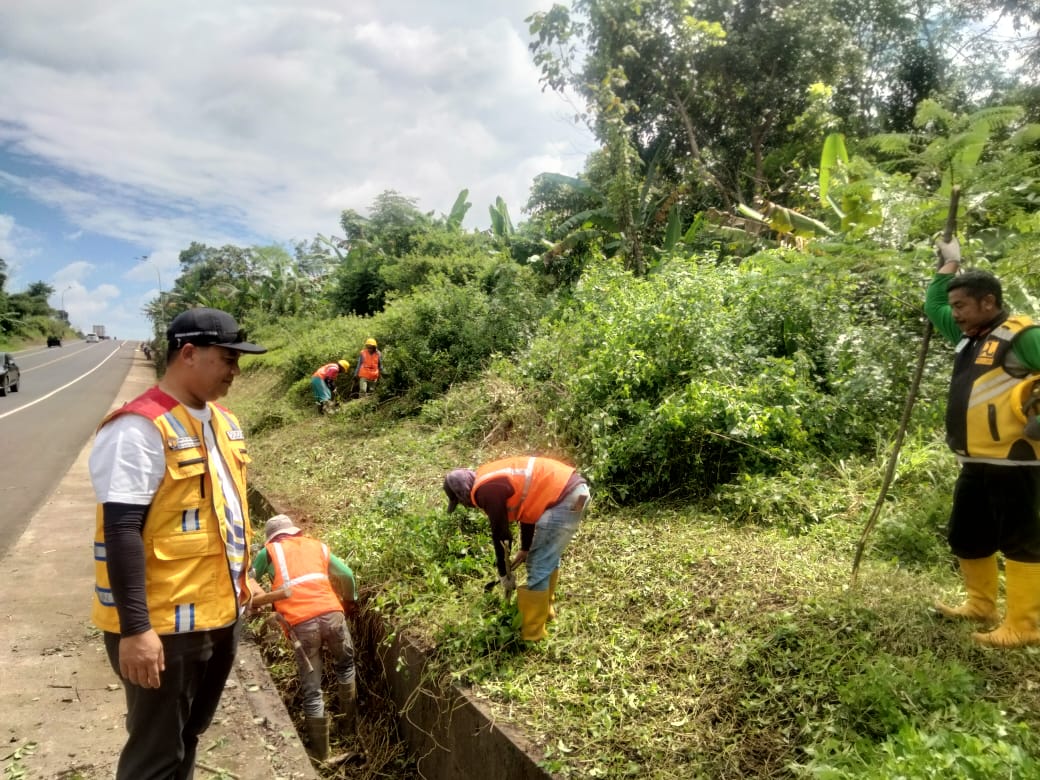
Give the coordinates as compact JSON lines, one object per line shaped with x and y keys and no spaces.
{"x":369,"y":366}
{"x":323,"y":382}
{"x":548,"y":499}
{"x":322,"y":589}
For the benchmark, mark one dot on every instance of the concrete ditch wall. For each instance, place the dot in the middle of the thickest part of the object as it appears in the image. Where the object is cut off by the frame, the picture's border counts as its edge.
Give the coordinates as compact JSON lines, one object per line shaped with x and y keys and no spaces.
{"x":451,"y":734}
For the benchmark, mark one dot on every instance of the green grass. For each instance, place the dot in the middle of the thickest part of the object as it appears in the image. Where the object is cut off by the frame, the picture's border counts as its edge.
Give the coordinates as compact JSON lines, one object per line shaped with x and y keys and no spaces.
{"x":688,"y":644}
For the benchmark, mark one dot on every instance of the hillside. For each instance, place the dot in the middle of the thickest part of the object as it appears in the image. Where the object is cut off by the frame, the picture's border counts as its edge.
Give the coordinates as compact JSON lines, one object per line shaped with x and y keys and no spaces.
{"x":687,"y":645}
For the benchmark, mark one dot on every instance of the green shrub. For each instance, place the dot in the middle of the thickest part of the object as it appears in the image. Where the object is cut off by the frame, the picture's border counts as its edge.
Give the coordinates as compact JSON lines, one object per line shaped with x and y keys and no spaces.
{"x":797,"y":498}
{"x":444,"y":334}
{"x":680,"y":381}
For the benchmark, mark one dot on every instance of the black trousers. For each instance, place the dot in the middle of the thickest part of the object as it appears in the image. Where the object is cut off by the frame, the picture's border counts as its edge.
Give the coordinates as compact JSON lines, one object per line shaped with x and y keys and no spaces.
{"x":164,"y":724}
{"x":996,"y":509}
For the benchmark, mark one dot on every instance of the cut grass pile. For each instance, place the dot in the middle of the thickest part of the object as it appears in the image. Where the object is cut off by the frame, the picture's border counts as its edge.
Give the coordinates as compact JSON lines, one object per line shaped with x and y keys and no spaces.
{"x":686,"y":646}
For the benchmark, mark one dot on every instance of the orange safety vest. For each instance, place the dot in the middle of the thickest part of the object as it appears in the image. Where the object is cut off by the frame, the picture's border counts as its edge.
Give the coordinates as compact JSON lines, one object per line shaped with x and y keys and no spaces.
{"x":537,"y":484}
{"x":328,"y":371}
{"x":368,"y":367}
{"x":302,"y":563}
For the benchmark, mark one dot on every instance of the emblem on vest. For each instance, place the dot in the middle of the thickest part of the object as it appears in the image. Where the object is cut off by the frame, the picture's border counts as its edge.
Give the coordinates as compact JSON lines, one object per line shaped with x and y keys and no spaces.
{"x":183,"y":443}
{"x":987,"y":353}
{"x":236,"y":435}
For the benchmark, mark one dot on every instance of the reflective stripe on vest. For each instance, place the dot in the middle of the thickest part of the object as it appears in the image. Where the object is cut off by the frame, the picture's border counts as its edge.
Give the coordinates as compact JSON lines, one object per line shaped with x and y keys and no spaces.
{"x":283,"y":568}
{"x":189,"y":545}
{"x":985,"y":426}
{"x":537,"y":484}
{"x":302,"y":563}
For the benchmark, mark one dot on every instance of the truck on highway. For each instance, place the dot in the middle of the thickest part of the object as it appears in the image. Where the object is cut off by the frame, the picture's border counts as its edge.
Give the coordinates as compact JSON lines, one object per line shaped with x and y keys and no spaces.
{"x":100,"y":331}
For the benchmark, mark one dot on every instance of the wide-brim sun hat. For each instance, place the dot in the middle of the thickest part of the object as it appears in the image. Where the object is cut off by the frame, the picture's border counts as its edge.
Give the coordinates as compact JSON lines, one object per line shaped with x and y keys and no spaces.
{"x":278,"y":525}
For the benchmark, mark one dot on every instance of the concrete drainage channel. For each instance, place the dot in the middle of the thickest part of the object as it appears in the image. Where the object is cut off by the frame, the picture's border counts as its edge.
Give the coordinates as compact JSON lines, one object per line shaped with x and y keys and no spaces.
{"x":411,"y":726}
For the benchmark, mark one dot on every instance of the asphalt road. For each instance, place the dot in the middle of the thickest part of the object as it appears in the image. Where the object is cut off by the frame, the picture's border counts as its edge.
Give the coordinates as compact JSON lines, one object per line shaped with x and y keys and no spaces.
{"x":63,"y":394}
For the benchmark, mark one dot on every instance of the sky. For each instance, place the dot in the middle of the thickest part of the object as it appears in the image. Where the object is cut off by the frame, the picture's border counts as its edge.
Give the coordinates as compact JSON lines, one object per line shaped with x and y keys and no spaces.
{"x":130,"y":128}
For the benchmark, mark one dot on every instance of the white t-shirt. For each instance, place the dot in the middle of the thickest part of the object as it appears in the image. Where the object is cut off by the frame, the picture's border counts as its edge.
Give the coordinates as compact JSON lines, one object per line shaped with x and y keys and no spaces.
{"x":128,"y":461}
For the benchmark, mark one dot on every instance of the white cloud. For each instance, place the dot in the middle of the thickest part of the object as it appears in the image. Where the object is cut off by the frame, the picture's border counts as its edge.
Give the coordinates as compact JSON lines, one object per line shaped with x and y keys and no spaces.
{"x":149,"y":125}
{"x":265,"y":119}
{"x":6,"y":236}
{"x":16,"y":247}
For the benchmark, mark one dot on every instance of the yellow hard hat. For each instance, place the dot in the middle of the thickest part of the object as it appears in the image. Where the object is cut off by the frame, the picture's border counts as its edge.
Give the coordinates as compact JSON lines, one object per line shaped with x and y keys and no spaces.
{"x":371,"y":343}
{"x":343,"y":364}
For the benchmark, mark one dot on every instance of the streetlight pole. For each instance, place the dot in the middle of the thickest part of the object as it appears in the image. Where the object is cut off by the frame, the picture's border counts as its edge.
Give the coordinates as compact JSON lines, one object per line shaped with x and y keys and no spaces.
{"x":162,"y":303}
{"x":65,"y":314}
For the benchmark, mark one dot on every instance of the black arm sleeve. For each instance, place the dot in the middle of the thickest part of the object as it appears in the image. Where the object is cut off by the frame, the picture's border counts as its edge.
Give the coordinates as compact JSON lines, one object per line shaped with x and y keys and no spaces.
{"x":124,"y":554}
{"x":526,"y":535}
{"x":491,"y":497}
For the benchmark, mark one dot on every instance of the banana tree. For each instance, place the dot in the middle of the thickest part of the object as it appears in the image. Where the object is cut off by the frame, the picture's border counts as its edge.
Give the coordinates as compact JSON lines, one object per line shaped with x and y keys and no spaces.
{"x":458,"y":211}
{"x":501,"y":224}
{"x":630,"y":214}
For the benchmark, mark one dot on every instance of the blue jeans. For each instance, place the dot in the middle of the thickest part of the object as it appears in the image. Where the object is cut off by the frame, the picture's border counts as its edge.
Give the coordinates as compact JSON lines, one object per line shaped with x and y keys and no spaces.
{"x":329,"y":630}
{"x":552,"y":533}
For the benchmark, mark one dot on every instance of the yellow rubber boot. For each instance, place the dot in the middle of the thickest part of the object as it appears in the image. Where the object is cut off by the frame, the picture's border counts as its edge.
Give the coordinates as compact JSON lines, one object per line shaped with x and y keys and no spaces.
{"x":980,"y":582}
{"x":1020,"y":626}
{"x":553,"y":579}
{"x":534,"y":611}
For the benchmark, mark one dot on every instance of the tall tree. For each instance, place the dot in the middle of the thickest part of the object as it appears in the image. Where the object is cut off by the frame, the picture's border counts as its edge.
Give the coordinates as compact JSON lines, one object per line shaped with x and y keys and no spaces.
{"x":715,"y":83}
{"x":6,"y":323}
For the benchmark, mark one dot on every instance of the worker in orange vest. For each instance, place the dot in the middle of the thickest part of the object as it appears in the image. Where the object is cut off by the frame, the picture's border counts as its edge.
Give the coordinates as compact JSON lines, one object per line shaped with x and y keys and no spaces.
{"x":323,"y":382}
{"x":548,"y":499}
{"x":369,"y":366}
{"x":322,"y":591}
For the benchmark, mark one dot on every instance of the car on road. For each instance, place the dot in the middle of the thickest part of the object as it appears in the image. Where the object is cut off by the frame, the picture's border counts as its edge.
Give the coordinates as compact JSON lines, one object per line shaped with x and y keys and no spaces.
{"x":54,"y":341}
{"x":10,"y":376}
{"x":92,"y":338}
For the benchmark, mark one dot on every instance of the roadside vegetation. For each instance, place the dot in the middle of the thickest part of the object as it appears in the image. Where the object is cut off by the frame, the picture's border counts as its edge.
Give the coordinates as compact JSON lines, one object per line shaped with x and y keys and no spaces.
{"x":26,"y":318}
{"x":707,"y":629}
{"x":716,"y":321}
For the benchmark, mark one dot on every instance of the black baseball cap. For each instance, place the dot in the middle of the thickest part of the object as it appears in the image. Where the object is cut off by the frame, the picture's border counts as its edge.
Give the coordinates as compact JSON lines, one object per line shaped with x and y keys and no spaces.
{"x":205,"y":327}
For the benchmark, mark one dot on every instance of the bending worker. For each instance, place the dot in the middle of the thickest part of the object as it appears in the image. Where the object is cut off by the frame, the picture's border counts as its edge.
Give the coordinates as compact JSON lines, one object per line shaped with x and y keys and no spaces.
{"x":322,"y":588}
{"x":991,"y":426}
{"x":369,"y":366}
{"x":323,"y":382}
{"x":548,"y":499}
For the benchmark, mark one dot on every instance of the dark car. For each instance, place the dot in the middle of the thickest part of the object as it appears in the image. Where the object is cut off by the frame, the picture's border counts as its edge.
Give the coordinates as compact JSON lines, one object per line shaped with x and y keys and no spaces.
{"x":10,"y":376}
{"x":54,"y":341}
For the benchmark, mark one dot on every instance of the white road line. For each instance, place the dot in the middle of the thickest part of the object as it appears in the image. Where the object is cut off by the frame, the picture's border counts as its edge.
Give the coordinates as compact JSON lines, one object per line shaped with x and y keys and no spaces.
{"x":63,"y":356}
{"x":59,"y":389}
